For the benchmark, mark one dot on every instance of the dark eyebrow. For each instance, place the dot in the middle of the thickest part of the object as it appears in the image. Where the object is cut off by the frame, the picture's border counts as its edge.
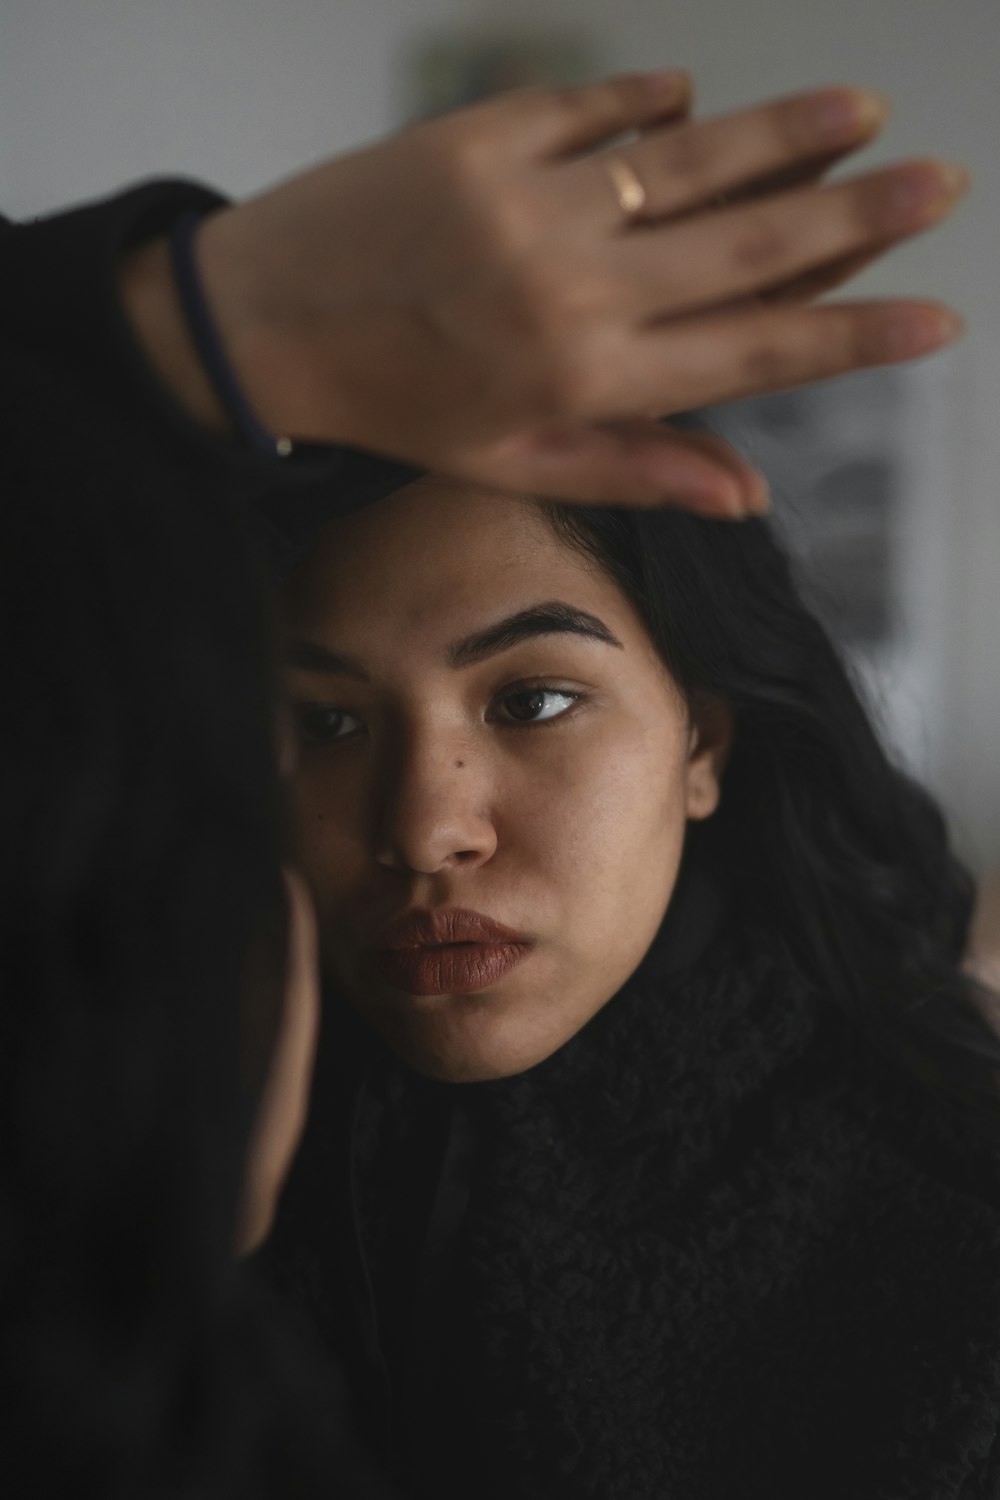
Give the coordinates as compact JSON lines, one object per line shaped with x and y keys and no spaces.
{"x":551,"y":618}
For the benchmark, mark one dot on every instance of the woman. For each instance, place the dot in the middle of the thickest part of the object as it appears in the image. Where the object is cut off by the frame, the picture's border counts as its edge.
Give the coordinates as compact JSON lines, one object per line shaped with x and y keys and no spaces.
{"x":140,"y":864}
{"x":654,"y":1092}
{"x":142,"y":822}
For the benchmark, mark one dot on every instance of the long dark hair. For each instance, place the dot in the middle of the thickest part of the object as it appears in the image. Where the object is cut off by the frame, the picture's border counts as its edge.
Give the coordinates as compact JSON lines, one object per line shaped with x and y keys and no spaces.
{"x":827,"y":842}
{"x":141,"y":835}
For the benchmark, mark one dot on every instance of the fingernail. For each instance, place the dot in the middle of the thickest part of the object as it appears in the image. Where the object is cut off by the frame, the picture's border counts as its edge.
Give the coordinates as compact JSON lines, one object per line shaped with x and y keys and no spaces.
{"x":907,"y":335}
{"x":842,"y":114}
{"x":668,"y":82}
{"x":733,"y":502}
{"x":953,"y":326}
{"x":919,"y":191}
{"x":758,"y":495}
{"x":956,"y":178}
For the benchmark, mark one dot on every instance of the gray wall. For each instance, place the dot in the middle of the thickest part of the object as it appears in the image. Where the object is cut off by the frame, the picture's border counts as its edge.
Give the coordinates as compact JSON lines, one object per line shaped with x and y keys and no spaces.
{"x":95,"y":93}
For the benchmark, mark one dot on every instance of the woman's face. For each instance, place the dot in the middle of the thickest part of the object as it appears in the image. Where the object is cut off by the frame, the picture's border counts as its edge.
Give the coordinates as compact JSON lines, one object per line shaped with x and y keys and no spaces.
{"x":487,"y":736}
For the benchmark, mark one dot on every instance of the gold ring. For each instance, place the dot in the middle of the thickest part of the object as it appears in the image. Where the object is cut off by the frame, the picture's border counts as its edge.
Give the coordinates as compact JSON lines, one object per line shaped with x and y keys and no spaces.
{"x":627,"y":184}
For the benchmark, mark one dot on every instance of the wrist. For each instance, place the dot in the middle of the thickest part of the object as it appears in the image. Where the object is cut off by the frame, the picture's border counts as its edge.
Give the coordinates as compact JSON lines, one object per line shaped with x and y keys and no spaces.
{"x":211,"y":347}
{"x":279,"y":344}
{"x":153,"y":308}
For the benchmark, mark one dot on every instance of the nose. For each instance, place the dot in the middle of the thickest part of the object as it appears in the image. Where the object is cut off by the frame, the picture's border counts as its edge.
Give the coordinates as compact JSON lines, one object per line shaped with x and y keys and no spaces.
{"x":434,"y":812}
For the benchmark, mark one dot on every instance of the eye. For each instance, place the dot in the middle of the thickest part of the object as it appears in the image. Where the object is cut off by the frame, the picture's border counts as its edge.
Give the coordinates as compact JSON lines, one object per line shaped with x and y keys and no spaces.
{"x":535,"y":705}
{"x":319,"y":725}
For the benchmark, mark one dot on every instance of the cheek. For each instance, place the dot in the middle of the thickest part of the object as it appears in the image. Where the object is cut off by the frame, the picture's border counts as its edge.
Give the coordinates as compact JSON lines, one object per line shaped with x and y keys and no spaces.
{"x":606,"y":829}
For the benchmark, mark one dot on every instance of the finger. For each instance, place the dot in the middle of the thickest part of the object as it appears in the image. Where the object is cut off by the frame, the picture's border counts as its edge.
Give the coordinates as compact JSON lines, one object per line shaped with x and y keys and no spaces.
{"x":756,"y":492}
{"x":637,"y":462}
{"x":807,"y":174}
{"x":558,"y":122}
{"x":812,"y":284}
{"x":705,"y":360}
{"x":735,"y":252}
{"x":692,"y":163}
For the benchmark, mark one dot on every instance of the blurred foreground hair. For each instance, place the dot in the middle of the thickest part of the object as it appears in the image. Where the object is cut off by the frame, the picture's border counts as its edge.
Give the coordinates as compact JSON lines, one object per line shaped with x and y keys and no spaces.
{"x":823,"y":840}
{"x":142,"y":946}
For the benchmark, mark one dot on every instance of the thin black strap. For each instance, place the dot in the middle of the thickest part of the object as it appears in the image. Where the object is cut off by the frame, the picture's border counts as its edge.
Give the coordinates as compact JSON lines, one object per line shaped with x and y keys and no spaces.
{"x":201,"y":326}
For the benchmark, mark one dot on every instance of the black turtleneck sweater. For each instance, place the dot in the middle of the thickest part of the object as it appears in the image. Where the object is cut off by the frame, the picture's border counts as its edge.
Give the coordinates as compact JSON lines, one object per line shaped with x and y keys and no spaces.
{"x":712,"y":1248}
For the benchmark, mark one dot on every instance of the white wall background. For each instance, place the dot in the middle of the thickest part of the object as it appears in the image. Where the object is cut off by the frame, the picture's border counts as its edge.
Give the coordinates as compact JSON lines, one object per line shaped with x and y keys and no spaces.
{"x":97,"y":93}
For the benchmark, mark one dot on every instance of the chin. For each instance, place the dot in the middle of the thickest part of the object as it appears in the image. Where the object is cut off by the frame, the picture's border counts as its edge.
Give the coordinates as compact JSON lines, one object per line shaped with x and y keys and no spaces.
{"x":457,"y":1043}
{"x":456,"y":1070}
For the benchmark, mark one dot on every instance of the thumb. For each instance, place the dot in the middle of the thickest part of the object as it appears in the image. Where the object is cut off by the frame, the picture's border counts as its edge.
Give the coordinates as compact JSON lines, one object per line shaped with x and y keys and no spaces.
{"x":640,"y":462}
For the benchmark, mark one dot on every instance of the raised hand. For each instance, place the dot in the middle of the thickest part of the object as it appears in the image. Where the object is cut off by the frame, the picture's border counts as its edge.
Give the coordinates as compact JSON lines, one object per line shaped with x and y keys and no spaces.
{"x":509,"y":295}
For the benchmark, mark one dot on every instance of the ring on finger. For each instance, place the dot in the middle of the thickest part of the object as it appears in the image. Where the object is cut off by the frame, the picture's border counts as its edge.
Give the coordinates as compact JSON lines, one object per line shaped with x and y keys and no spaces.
{"x":628,"y":186}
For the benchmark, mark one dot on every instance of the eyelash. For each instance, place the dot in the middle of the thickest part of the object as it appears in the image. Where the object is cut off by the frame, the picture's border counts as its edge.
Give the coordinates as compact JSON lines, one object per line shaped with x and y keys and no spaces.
{"x":303,"y":712}
{"x":541,"y":690}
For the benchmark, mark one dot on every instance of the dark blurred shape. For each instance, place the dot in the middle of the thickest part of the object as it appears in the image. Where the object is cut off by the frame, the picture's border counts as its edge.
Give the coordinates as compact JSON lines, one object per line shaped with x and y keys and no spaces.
{"x":833,"y":456}
{"x":447,"y":68}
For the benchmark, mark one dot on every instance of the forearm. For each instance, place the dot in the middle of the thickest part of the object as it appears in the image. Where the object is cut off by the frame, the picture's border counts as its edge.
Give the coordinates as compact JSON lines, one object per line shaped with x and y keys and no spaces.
{"x":69,"y":328}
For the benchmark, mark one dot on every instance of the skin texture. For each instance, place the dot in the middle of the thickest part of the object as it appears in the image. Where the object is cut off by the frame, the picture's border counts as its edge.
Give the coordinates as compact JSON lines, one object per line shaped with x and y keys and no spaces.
{"x":419,"y":789}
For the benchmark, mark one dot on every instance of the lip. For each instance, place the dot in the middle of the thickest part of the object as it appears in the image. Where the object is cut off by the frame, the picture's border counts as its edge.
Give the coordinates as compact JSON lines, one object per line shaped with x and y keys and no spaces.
{"x":447,"y":951}
{"x":446,"y":924}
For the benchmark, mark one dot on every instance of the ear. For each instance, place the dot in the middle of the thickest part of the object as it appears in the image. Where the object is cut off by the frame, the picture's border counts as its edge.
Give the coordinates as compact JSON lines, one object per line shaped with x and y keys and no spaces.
{"x":710,"y":740}
{"x":284,"y":1099}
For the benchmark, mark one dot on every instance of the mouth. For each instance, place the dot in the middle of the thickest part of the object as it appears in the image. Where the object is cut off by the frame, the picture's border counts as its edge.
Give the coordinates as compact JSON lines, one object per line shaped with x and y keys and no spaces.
{"x":448,"y":968}
{"x":447,"y":952}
